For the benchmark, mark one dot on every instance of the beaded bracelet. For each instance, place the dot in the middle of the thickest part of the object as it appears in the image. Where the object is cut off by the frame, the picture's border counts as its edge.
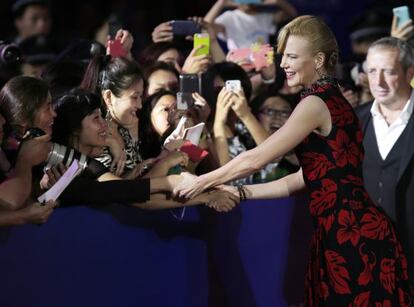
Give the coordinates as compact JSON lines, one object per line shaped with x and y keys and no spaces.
{"x":242,"y":192}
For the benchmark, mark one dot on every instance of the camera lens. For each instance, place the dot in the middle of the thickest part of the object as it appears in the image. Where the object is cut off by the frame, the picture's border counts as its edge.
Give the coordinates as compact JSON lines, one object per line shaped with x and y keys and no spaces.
{"x":10,"y":54}
{"x":65,"y":155}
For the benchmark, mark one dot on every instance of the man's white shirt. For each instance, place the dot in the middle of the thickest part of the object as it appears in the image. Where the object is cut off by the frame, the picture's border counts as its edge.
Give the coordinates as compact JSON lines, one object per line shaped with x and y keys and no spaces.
{"x":387,"y":135}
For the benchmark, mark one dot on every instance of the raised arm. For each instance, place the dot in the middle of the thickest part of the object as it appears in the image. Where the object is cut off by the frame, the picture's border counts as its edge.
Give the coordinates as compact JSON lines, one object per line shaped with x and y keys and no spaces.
{"x":311,"y":114}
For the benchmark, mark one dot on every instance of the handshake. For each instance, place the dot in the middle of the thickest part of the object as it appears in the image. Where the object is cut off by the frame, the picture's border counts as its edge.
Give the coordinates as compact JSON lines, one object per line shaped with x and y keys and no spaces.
{"x":222,"y":198}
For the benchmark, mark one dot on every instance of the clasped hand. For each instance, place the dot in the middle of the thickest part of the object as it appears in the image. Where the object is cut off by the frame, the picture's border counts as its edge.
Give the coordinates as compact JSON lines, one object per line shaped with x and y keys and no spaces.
{"x":190,"y":186}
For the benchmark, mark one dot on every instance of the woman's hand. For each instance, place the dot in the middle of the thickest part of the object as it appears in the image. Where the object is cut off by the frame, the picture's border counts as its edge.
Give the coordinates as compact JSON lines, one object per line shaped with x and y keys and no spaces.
{"x":52,"y":175}
{"x":139,"y":169}
{"x":404,"y":32}
{"x":37,"y":213}
{"x":224,"y":102}
{"x":196,"y":64}
{"x":203,"y":108}
{"x":221,"y":201}
{"x":163,"y":33}
{"x":189,"y":186}
{"x":174,"y":158}
{"x":34,"y":151}
{"x":239,"y":104}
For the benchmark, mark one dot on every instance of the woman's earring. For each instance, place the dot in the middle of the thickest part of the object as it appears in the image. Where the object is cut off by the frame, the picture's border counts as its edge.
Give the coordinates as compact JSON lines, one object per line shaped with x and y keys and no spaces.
{"x":108,"y":116}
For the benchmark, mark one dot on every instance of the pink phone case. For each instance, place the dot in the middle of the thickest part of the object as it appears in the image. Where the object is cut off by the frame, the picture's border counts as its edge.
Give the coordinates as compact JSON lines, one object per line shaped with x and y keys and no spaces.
{"x":255,"y":57}
{"x":242,"y":57}
{"x":116,"y":49}
{"x":262,"y":56}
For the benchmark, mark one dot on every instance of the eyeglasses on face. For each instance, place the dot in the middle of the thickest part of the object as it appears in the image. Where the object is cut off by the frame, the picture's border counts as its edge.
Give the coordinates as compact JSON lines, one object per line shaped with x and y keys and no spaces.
{"x":275,"y":113}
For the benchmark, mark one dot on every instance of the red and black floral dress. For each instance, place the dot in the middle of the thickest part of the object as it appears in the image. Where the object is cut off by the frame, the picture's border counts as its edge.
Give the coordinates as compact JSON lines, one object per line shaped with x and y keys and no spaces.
{"x":356,"y":257}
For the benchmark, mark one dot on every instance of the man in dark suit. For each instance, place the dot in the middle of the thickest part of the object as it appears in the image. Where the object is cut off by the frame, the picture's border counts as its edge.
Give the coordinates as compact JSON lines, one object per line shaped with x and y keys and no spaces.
{"x":388,"y":127}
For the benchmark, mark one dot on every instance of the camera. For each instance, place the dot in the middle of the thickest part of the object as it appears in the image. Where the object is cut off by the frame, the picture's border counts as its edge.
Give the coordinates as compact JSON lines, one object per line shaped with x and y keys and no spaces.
{"x":10,"y":54}
{"x":60,"y":153}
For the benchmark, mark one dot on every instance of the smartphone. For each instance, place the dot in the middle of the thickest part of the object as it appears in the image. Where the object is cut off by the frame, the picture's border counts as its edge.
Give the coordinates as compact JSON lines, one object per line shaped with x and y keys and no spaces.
{"x":202,"y":39}
{"x":184,"y":100}
{"x":189,"y":83}
{"x":262,"y":56}
{"x":185,"y":27}
{"x":116,"y":49}
{"x":402,"y":13}
{"x":233,"y":85}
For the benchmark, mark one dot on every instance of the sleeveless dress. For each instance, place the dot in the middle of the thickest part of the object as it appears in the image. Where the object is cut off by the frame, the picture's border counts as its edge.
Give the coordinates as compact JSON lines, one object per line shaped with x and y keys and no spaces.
{"x":356,"y":258}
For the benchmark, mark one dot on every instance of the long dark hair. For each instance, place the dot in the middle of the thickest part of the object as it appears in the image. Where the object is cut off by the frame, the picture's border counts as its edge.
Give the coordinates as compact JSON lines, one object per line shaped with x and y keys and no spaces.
{"x":20,"y":99}
{"x":149,"y":56}
{"x":151,"y":142}
{"x":70,"y":110}
{"x":114,"y":74}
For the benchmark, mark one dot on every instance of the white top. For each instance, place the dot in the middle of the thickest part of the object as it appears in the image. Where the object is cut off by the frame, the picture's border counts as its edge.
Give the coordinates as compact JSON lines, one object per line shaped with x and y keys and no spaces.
{"x":387,"y":135}
{"x":242,"y":30}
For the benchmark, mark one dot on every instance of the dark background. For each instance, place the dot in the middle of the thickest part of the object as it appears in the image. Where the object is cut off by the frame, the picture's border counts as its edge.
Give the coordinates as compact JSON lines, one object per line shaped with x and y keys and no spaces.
{"x":81,"y":18}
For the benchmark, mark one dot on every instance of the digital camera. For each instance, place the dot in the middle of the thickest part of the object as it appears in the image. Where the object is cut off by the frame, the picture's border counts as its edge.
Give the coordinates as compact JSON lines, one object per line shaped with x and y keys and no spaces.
{"x":61,"y":153}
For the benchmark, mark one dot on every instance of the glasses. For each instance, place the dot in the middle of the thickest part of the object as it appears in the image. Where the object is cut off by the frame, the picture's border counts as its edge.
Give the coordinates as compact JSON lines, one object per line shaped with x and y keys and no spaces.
{"x":275,"y":113}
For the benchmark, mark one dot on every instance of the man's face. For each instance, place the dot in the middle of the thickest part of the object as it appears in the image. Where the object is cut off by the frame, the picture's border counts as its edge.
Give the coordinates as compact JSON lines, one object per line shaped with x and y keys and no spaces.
{"x":34,"y":21}
{"x":388,"y":81}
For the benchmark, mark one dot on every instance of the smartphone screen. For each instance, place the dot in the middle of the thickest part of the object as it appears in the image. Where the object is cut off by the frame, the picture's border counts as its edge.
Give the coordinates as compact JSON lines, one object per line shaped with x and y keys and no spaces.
{"x":202,"y":39}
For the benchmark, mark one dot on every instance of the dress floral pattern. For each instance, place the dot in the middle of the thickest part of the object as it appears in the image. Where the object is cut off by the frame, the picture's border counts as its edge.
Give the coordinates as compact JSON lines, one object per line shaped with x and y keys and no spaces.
{"x":356,"y":257}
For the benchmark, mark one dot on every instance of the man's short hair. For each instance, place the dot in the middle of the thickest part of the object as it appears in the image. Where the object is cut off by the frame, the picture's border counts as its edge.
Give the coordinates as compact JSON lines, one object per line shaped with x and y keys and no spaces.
{"x":406,"y":57}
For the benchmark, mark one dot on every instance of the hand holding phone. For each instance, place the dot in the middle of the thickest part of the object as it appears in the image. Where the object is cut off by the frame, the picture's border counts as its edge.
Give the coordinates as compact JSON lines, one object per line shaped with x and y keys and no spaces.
{"x":256,"y":57}
{"x":402,"y":14}
{"x":184,"y":27}
{"x":262,"y":56}
{"x":189,"y":83}
{"x":184,"y":101}
{"x":233,"y":85}
{"x":202,"y":41}
{"x":116,"y":49}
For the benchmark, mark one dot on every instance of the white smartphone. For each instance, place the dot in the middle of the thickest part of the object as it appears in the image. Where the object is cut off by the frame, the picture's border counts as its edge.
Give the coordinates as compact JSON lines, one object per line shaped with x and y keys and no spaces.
{"x":402,"y":13}
{"x":233,"y":85}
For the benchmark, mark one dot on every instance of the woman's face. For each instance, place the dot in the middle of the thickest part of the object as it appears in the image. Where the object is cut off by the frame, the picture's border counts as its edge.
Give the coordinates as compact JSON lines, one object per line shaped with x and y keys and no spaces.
{"x":162,"y":79}
{"x":274,"y":113}
{"x":298,"y":62}
{"x":159,"y":114}
{"x":93,"y":133}
{"x":171,"y":56}
{"x":124,"y":108}
{"x":45,"y":116}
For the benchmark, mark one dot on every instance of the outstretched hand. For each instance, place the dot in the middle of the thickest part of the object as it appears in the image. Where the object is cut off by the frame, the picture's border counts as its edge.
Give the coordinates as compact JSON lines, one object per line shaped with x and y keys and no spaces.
{"x":189,"y":187}
{"x":222,"y":201}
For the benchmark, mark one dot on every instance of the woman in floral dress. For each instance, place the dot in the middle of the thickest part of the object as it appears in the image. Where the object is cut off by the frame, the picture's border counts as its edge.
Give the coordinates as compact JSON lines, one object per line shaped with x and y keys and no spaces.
{"x":356,"y":257}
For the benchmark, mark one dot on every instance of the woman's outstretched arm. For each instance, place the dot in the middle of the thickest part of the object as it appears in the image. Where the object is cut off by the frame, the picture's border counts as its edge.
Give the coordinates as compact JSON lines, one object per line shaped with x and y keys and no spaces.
{"x":310,"y":115}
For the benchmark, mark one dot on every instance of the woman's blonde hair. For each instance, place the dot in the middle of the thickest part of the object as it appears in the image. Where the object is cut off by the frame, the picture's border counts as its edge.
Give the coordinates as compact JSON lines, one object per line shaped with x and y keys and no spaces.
{"x":318,"y":34}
